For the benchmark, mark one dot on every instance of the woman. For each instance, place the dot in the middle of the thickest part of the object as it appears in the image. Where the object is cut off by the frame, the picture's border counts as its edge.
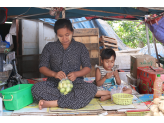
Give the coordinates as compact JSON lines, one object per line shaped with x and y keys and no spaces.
{"x":59,"y":60}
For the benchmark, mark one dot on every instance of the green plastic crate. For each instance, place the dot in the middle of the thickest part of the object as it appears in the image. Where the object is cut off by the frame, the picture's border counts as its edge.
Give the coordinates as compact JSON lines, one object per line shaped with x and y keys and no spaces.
{"x":17,"y":97}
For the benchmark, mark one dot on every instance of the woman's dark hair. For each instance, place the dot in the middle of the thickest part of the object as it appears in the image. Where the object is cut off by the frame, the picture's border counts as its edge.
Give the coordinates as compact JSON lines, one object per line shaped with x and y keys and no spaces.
{"x":107,"y":53}
{"x":63,"y":23}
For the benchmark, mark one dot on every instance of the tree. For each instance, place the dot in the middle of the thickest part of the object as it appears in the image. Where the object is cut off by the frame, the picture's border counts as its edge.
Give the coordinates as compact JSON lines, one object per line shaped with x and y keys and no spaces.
{"x":130,"y":33}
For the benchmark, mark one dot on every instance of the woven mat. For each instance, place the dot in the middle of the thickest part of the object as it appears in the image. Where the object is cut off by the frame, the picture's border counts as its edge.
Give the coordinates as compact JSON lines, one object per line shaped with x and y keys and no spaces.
{"x":92,"y":107}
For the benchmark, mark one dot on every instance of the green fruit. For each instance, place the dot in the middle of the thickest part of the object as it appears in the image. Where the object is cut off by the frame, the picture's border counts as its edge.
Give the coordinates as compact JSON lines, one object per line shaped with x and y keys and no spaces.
{"x":71,"y":86}
{"x":63,"y":81}
{"x":68,"y":85}
{"x":58,"y":88}
{"x":65,"y":93}
{"x":62,"y":90}
{"x":60,"y":85}
{"x":67,"y":81}
{"x":68,"y":89}
{"x":64,"y":85}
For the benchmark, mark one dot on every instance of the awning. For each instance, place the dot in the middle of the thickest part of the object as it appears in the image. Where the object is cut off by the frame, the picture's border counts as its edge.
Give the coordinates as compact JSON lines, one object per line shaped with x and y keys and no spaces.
{"x":76,"y":12}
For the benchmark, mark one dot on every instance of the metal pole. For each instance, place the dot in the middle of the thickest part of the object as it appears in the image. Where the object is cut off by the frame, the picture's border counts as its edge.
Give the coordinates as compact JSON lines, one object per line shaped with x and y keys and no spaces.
{"x":1,"y":62}
{"x":156,"y":50}
{"x":147,"y":35}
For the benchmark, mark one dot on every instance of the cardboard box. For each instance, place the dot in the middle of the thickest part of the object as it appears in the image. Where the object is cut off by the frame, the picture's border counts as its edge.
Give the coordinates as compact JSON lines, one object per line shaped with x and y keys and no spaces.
{"x":140,"y":61}
{"x":146,"y":77}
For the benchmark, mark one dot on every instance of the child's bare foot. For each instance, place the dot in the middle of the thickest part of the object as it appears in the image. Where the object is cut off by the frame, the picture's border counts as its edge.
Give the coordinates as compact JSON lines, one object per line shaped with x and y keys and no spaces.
{"x":106,"y":97}
{"x":46,"y":104}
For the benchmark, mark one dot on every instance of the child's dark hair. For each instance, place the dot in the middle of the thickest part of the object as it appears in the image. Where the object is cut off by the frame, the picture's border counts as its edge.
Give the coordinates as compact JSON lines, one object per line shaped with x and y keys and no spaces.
{"x":63,"y":23}
{"x":107,"y":53}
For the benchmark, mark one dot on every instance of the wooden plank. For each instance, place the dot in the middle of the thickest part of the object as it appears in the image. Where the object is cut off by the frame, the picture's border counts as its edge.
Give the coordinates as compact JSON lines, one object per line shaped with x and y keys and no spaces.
{"x":94,"y":53}
{"x":78,"y":39}
{"x":109,"y":40}
{"x":90,"y":38}
{"x":85,"y":39}
{"x":107,"y":37}
{"x":85,"y":32}
{"x":115,"y":49}
{"x":93,"y":46}
{"x":94,"y":61}
{"x":94,"y":39}
{"x":17,"y":36}
{"x":110,"y":45}
{"x":92,"y":73}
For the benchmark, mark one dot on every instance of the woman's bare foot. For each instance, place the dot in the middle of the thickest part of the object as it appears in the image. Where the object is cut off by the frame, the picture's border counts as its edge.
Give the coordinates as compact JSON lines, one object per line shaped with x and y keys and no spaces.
{"x":106,"y":97}
{"x":46,"y":104}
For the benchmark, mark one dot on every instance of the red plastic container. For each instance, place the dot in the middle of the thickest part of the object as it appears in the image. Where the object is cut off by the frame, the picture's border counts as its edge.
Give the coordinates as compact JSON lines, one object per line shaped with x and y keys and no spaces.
{"x":146,"y":77}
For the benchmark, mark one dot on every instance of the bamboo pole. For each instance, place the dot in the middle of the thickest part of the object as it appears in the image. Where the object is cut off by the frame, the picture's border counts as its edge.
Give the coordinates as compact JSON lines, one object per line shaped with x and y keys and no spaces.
{"x":156,"y":50}
{"x":147,"y":35}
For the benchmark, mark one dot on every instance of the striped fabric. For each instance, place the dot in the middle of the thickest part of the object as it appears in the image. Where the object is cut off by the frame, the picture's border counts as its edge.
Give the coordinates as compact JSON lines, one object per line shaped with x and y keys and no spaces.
{"x":108,"y":83}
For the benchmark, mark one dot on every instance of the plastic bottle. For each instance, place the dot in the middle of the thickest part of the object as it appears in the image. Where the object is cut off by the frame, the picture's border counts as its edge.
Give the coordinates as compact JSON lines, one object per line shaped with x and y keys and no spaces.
{"x":157,"y":86}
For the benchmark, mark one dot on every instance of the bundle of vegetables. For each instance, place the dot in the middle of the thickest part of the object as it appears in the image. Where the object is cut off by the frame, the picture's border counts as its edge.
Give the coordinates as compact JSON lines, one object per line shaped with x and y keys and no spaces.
{"x":157,"y":109}
{"x":65,"y":86}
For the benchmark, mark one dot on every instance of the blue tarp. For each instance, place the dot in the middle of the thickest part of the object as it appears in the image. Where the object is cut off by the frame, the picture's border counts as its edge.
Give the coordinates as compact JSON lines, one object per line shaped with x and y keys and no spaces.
{"x":104,"y":28}
{"x":36,"y":13}
{"x":160,"y":50}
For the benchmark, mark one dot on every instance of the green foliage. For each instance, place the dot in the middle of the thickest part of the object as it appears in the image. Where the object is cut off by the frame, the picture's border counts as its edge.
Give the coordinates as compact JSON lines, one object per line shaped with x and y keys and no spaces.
{"x":130,"y":34}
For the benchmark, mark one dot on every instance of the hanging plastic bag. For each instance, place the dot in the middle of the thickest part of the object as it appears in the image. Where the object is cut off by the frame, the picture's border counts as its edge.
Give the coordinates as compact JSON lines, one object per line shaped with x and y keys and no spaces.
{"x":7,"y":67}
{"x":117,"y":90}
{"x":9,"y":39}
{"x":65,"y":86}
{"x":158,"y":30}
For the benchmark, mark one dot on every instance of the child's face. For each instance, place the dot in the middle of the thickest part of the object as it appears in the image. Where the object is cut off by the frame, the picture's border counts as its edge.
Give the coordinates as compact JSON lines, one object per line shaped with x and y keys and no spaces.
{"x":108,"y":63}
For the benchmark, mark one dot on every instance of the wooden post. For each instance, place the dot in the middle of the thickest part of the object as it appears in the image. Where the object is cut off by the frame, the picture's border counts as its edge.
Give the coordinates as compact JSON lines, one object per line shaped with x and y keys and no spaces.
{"x":156,"y":50}
{"x":17,"y":36}
{"x":147,"y":35}
{"x":63,"y":13}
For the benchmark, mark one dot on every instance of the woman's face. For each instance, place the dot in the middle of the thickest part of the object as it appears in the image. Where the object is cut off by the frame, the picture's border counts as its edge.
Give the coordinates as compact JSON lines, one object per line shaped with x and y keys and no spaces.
{"x":64,"y":35}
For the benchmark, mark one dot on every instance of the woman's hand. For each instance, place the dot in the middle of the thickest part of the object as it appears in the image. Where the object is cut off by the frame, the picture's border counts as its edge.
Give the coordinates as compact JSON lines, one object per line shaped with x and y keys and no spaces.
{"x":60,"y":75}
{"x":109,"y":75}
{"x":72,"y":76}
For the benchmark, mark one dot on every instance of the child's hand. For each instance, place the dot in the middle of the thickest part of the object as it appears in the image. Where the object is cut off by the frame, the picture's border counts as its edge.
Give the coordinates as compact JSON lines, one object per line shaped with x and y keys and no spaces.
{"x":109,"y":75}
{"x":124,"y":88}
{"x":72,"y":76}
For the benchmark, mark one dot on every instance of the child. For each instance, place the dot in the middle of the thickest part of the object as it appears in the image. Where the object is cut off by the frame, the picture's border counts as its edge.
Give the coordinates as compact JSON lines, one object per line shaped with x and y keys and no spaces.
{"x":105,"y":77}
